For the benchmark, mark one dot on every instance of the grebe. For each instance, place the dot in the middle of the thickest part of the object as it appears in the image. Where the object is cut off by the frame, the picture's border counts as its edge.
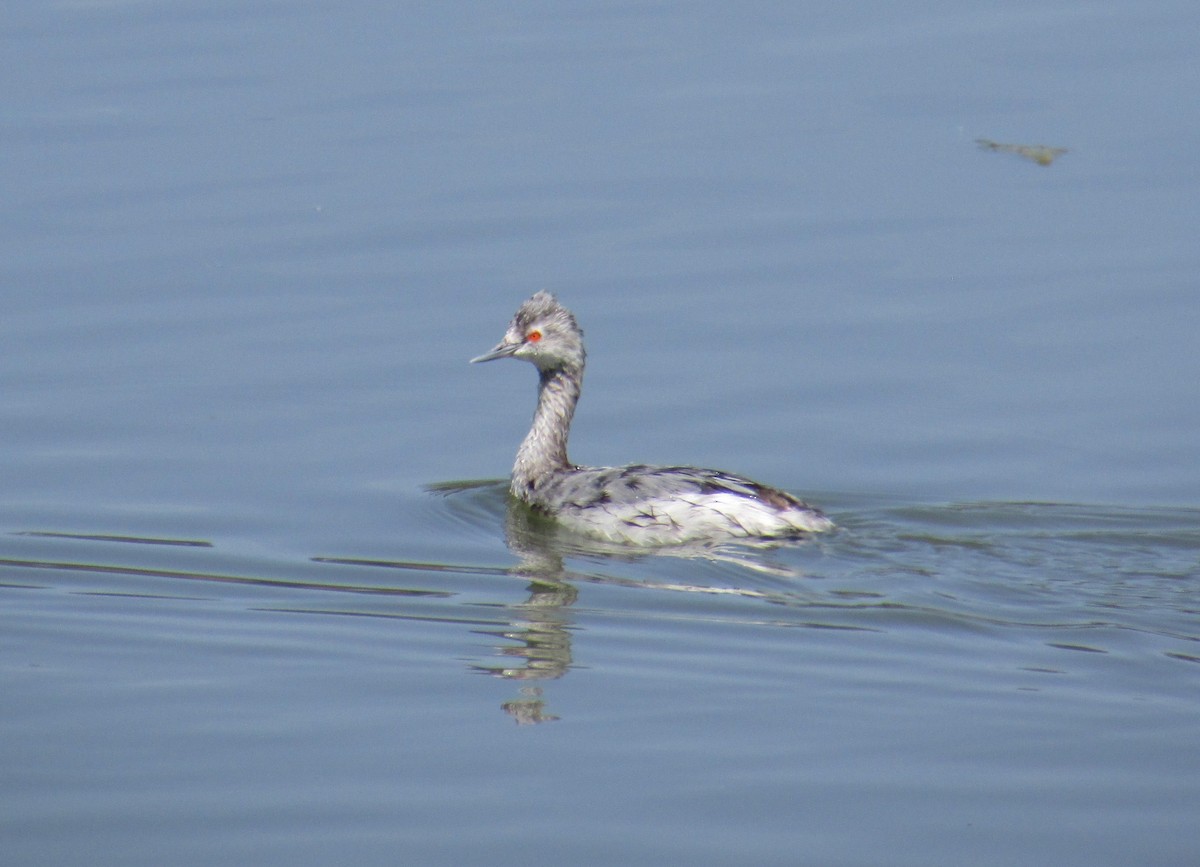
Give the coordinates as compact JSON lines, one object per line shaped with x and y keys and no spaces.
{"x":635,"y":504}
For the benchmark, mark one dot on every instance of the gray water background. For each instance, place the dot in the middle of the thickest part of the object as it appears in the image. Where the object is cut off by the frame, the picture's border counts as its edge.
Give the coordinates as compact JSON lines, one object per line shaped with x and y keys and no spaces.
{"x":249,"y":616}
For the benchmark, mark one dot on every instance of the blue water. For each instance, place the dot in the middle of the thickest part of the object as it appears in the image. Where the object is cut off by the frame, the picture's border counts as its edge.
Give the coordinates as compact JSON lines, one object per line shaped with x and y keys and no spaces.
{"x":253,"y":606}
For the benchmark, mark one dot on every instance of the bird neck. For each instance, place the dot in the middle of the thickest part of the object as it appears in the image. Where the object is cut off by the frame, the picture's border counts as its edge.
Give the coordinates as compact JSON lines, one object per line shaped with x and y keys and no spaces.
{"x":544,"y":450}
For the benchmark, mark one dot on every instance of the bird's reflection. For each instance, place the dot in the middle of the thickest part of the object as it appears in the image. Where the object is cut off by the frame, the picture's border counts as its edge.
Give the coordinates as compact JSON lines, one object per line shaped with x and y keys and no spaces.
{"x":535,"y":644}
{"x":540,"y":634}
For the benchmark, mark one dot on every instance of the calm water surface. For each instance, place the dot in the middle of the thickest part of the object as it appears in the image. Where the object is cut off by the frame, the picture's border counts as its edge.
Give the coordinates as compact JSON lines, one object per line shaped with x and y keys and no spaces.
{"x":254,"y":610}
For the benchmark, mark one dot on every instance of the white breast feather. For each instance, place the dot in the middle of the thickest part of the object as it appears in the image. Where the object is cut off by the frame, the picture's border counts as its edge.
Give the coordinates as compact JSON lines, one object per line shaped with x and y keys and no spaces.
{"x":690,"y":516}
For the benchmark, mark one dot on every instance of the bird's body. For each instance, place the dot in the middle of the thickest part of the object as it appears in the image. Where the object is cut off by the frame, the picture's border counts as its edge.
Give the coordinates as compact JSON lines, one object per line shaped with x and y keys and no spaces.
{"x":636,"y":504}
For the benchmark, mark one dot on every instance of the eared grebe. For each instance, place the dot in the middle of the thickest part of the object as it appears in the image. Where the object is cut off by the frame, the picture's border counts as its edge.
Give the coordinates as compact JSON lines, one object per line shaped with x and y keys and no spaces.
{"x":635,"y":504}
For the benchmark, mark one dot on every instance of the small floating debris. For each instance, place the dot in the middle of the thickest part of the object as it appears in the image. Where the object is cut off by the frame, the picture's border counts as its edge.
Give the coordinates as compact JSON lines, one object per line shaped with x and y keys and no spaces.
{"x":1043,"y":155}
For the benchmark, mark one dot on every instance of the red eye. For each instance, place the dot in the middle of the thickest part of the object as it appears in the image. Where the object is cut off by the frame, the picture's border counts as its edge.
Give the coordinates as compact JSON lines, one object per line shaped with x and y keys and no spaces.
{"x":533,"y":337}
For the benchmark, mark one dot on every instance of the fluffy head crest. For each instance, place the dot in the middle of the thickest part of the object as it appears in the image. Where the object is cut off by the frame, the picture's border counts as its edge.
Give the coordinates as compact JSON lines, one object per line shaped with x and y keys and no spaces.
{"x":542,"y":308}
